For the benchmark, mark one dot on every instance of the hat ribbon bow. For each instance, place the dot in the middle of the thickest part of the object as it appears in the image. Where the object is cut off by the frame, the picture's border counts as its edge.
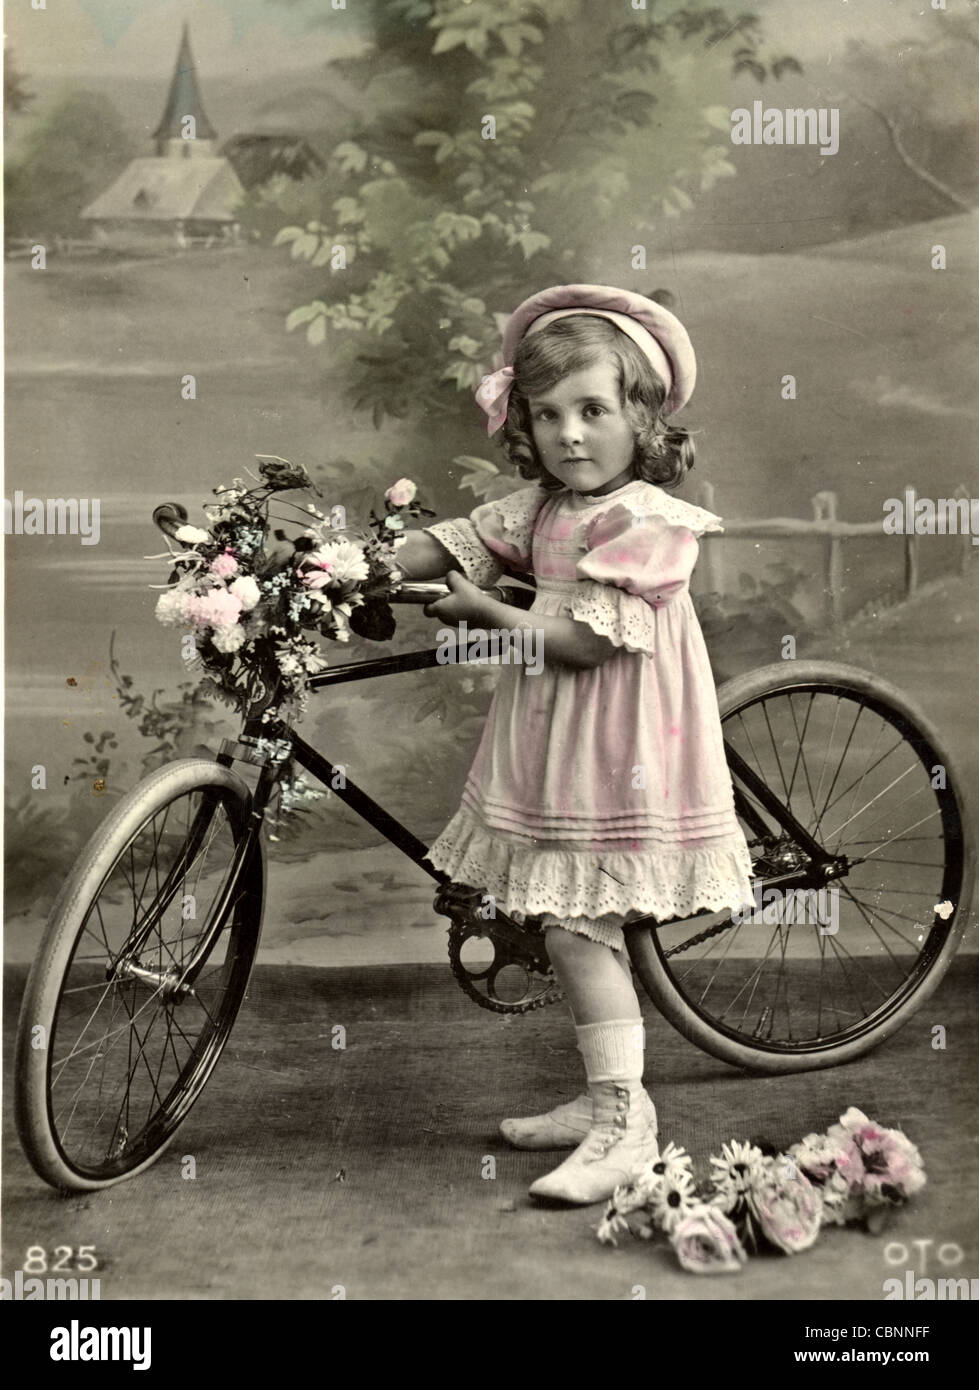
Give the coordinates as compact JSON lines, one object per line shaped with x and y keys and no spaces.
{"x":492,"y":394}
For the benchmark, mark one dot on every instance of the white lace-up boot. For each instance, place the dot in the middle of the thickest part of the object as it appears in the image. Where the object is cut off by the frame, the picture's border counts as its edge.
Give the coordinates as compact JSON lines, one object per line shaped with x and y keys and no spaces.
{"x":623,"y":1133}
{"x":564,"y":1127}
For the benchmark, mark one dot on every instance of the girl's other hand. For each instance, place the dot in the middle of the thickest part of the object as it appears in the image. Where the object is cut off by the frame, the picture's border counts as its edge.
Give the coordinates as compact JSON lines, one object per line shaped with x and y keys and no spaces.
{"x":466,"y":601}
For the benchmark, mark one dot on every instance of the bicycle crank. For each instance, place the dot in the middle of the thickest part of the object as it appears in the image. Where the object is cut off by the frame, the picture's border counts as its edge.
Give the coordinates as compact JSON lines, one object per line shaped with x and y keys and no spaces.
{"x":508,"y":971}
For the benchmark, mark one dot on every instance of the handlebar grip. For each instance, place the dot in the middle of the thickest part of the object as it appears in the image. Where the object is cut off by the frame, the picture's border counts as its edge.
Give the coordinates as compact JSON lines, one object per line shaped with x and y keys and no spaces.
{"x":428,"y":591}
{"x":169,"y":516}
{"x":420,"y":591}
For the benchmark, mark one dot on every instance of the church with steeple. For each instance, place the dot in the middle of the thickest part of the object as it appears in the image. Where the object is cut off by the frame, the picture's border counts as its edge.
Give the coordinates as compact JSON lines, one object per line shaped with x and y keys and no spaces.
{"x":184,"y":112}
{"x":187,"y":192}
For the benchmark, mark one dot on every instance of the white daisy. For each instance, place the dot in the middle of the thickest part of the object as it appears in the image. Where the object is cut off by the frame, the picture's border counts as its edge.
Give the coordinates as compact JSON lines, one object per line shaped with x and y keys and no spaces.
{"x":674,"y":1200}
{"x":738,"y":1167}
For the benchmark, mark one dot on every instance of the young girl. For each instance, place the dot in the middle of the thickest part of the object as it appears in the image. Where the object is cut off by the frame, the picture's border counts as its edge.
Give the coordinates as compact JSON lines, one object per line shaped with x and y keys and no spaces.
{"x":599,"y":792}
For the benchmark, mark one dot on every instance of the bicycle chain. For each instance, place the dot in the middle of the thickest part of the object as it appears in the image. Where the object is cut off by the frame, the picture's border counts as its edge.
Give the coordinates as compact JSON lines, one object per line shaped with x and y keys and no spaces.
{"x":705,"y":935}
{"x":759,"y":866}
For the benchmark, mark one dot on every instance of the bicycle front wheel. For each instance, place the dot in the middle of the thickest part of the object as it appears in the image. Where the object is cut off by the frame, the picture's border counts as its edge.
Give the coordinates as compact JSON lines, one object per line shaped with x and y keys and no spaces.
{"x":112,"y":1051}
{"x":824,"y":972}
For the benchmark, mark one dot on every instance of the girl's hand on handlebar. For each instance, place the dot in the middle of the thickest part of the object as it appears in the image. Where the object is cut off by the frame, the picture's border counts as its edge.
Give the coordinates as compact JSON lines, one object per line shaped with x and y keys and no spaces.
{"x":466,"y":601}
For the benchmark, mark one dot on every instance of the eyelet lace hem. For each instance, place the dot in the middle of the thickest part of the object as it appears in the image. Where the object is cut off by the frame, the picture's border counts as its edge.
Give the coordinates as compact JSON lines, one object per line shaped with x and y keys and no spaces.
{"x":605,"y":888}
{"x":625,"y":619}
{"x":461,"y":540}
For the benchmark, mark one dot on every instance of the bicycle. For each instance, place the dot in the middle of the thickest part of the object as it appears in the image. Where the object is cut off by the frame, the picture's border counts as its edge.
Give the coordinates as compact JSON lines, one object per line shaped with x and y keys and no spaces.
{"x":148,"y":949}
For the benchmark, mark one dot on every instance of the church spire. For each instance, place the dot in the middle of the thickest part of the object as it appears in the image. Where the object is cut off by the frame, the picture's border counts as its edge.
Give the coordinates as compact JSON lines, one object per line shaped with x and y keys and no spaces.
{"x":184,"y":100}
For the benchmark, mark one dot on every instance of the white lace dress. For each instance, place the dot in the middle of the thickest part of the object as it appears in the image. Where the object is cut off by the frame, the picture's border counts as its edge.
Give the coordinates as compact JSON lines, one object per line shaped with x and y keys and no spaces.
{"x":598,"y":796}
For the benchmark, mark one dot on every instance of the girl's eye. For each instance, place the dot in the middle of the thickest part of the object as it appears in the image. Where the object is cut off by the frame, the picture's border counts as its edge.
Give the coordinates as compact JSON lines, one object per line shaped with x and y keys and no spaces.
{"x":595,"y":407}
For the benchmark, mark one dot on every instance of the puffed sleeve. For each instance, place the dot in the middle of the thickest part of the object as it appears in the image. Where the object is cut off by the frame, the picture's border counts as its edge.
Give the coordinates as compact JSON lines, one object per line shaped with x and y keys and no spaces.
{"x":636,"y":563}
{"x":495,"y":538}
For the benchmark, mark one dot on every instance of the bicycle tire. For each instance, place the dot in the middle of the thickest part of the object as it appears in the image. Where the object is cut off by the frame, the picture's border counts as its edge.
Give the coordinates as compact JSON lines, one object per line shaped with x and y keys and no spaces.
{"x":62,"y":981}
{"x":655,"y":958}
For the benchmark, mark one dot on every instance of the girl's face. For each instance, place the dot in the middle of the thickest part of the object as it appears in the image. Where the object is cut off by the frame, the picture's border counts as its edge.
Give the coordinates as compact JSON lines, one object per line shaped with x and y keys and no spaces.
{"x":581,"y":433}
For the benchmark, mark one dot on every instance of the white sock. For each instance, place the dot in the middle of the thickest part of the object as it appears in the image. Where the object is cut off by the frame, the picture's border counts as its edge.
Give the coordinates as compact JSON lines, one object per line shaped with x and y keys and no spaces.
{"x":612,"y":1050}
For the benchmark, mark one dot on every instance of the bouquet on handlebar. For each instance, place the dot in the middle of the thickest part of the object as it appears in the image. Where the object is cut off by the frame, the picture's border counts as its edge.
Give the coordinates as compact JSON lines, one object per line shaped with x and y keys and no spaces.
{"x":254,"y":600}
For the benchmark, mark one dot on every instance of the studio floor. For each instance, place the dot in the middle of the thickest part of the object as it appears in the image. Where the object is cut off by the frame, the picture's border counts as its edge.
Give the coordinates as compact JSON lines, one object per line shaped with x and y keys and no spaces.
{"x":362,"y":1168}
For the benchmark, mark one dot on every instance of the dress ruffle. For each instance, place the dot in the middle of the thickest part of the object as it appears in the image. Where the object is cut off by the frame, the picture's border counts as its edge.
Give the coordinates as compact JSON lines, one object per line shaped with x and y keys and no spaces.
{"x":496,"y":535}
{"x":513,"y":516}
{"x":625,"y":619}
{"x":461,"y":540}
{"x":614,"y":885}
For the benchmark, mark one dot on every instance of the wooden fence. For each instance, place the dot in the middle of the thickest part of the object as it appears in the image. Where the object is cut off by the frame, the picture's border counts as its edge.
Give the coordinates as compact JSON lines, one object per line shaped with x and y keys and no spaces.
{"x":826,"y":527}
{"x":22,"y":248}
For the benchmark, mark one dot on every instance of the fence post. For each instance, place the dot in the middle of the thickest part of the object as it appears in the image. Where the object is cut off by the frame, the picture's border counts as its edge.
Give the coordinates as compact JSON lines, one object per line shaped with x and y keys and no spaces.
{"x":713,"y":565}
{"x":911,"y":558}
{"x":965,"y":540}
{"x":824,"y":509}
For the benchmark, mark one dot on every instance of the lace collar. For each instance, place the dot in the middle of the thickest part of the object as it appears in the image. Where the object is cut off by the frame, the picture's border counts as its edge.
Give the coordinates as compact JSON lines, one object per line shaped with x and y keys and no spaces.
{"x":578,"y":501}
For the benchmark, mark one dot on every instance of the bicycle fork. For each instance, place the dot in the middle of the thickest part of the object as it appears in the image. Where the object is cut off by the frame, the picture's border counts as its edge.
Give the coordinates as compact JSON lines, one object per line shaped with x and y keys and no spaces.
{"x":176,"y":982}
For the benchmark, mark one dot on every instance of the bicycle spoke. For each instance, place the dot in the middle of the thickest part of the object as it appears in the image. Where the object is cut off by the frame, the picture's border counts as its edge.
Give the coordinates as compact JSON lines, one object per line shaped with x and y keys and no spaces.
{"x":890,"y":840}
{"x":837,"y":707}
{"x":778,"y":760}
{"x":892,"y":911}
{"x":858,"y":782}
{"x":839,"y":769}
{"x":864,"y":914}
{"x":872,"y":802}
{"x":801,"y":756}
{"x":828,"y":755}
{"x":899,"y":837}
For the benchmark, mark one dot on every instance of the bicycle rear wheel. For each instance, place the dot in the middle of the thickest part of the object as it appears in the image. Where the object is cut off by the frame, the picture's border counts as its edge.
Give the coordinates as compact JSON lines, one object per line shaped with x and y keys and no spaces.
{"x":111,"y":1051}
{"x":823,"y":973}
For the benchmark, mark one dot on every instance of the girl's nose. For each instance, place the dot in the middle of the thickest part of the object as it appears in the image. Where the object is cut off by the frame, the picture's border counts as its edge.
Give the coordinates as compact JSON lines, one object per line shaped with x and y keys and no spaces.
{"x":570,"y":432}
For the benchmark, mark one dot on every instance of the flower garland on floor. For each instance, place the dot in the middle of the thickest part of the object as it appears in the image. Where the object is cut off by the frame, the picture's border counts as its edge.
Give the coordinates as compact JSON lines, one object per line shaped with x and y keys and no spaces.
{"x":254,"y":609}
{"x":857,"y":1172}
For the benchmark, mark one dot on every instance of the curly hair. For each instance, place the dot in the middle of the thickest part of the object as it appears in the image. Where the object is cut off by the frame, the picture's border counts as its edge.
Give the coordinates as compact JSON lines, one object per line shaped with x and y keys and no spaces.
{"x":663,"y":453}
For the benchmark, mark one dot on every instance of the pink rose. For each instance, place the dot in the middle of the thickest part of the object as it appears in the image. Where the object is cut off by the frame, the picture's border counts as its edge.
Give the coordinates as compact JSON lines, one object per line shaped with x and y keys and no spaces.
{"x":821,"y":1155}
{"x":224,"y":566}
{"x":890,"y":1168}
{"x":707,"y":1243}
{"x":175,"y":606}
{"x":217,"y":608}
{"x":245,"y":589}
{"x":229,"y":639}
{"x":789,"y":1213}
{"x":402,"y":492}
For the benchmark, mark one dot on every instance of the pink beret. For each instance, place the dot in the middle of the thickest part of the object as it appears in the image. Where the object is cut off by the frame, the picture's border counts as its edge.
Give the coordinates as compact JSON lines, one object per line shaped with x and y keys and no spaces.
{"x":657,"y":332}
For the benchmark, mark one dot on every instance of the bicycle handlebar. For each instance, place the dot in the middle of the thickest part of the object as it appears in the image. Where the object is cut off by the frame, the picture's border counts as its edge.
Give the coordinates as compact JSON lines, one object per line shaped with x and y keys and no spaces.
{"x":420,"y":591}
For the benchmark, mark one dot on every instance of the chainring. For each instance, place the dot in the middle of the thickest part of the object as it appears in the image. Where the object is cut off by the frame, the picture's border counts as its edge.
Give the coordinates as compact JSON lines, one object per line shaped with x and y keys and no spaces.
{"x":514,"y":948}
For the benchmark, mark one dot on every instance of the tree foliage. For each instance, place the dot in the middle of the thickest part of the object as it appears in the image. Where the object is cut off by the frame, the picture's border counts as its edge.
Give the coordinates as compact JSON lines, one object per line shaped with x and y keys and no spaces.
{"x":77,"y":147}
{"x":16,"y":97}
{"x":538,"y":138}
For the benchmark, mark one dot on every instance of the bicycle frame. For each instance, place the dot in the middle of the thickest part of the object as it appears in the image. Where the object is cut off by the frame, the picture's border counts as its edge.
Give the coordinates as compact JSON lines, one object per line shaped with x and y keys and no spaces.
{"x":821,"y":867}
